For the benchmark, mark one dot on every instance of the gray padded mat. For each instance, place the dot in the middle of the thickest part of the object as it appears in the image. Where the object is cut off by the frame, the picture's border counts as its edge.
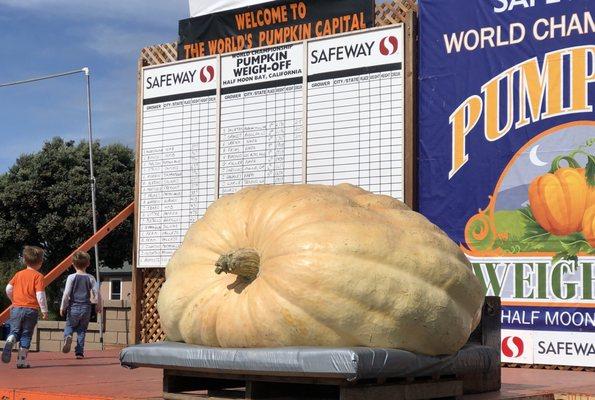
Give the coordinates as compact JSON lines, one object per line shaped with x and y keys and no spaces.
{"x":351,"y":364}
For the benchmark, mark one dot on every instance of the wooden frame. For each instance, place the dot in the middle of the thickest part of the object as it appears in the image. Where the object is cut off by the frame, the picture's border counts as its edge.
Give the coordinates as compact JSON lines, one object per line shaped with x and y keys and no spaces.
{"x":147,"y":283}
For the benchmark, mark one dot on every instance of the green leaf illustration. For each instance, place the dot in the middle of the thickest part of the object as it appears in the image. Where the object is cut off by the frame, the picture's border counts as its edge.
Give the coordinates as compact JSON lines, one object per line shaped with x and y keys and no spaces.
{"x":590,"y":170}
{"x":526,"y":235}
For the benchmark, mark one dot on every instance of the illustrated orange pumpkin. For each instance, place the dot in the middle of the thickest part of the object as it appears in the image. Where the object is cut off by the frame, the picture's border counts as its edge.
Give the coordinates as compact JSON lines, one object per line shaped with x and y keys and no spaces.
{"x":591,"y":197}
{"x":558,"y":200}
{"x":589,"y":225}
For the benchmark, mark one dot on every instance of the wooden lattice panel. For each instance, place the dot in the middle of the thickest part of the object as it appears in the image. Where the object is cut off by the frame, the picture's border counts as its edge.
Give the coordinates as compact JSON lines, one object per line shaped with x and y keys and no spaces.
{"x":388,"y":13}
{"x":159,"y":54}
{"x":150,"y":326}
{"x":394,"y":12}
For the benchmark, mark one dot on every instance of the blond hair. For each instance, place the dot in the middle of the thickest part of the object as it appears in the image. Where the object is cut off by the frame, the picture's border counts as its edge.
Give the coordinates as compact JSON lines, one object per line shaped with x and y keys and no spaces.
{"x":33,"y":255}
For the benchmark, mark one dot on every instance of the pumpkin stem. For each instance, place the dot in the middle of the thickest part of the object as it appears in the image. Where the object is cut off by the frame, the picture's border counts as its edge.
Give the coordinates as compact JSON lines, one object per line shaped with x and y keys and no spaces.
{"x":242,"y":262}
{"x":570,"y":160}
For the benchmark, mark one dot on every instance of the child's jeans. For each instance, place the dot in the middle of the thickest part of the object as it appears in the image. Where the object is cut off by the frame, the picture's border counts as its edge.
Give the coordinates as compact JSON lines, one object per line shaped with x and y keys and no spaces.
{"x":77,"y":320}
{"x":22,"y":323}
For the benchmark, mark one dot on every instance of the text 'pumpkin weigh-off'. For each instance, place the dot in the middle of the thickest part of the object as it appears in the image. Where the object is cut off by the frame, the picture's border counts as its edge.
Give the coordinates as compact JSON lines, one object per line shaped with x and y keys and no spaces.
{"x":313,"y":265}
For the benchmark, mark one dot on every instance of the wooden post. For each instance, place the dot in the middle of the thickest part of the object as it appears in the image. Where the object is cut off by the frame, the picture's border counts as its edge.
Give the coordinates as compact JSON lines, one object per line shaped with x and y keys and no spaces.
{"x":137,"y":279}
{"x":410,"y":100}
{"x":486,"y":334}
{"x":153,"y":55}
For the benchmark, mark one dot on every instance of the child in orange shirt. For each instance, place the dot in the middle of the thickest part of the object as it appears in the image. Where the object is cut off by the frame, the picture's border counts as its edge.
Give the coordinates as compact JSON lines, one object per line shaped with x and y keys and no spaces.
{"x":26,"y":290}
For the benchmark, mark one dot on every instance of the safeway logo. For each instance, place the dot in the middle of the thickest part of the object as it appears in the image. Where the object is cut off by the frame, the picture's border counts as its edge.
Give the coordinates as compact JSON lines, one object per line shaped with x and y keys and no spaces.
{"x":207,"y":74}
{"x":513,"y":346}
{"x":389,"y":45}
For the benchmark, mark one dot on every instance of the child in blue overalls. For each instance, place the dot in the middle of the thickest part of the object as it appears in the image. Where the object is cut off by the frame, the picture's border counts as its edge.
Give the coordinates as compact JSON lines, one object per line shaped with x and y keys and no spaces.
{"x":76,"y":303}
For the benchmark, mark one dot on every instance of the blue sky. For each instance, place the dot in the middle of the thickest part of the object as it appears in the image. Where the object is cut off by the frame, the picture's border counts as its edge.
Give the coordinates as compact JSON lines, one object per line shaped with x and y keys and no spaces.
{"x":40,"y":37}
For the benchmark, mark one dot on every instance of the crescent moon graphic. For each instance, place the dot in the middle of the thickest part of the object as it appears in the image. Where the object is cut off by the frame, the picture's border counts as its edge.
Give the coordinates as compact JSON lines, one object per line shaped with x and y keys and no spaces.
{"x":534,"y":159}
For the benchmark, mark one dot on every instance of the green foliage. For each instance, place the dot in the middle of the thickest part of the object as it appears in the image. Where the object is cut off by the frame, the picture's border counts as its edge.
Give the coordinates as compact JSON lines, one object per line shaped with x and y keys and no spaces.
{"x":45,"y":200}
{"x":7,"y":271}
{"x":572,"y":246}
{"x":526,"y":235}
{"x":590,"y":170}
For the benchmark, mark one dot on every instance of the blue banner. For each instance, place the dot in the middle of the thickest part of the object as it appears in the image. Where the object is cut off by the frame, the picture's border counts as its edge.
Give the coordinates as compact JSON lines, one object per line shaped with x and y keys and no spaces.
{"x":526,"y":65}
{"x":507,"y":151}
{"x":549,"y":318}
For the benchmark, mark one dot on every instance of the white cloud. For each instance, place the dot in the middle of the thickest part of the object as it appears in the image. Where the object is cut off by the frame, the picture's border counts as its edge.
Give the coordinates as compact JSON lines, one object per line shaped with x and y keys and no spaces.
{"x":115,"y":41}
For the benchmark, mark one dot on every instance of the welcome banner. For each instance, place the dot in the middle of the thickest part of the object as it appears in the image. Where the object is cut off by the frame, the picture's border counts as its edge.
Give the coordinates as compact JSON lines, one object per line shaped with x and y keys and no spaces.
{"x":507,"y":161}
{"x":271,"y":23}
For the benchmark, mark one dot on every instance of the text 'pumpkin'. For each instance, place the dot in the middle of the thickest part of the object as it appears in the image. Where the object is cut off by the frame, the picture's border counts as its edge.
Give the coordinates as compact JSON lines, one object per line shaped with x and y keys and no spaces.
{"x":312,"y":265}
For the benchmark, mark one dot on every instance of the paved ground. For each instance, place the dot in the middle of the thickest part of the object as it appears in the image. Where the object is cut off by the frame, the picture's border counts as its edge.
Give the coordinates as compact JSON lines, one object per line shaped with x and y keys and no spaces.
{"x":99,"y":374}
{"x":57,"y":376}
{"x":525,"y":382}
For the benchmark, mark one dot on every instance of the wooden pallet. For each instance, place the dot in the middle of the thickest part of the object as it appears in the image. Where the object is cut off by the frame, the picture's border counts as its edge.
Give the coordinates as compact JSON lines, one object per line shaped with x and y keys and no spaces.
{"x":188,"y":384}
{"x":184,"y":385}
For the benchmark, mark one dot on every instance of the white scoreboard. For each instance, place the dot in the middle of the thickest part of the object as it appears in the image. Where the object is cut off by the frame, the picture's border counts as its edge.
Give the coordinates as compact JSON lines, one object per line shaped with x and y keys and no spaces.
{"x":323,"y":111}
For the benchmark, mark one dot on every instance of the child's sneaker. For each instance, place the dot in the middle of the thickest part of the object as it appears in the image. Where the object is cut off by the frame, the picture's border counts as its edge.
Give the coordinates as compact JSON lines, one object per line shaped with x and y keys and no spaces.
{"x":22,"y":359}
{"x":7,"y":351}
{"x":67,"y":344}
{"x":80,"y":356}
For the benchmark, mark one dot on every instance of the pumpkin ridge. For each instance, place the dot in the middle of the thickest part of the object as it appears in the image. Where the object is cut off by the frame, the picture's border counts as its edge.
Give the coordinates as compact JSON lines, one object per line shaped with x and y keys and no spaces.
{"x":411,"y":342}
{"x":218,"y":314}
{"x":272,"y":239}
{"x":409,"y":274}
{"x":235,"y":303}
{"x":189,"y":314}
{"x":374,"y":213}
{"x":185,"y":297}
{"x":338,"y":332}
{"x":345,"y":297}
{"x":250,"y":306}
{"x":256,"y":210}
{"x":298,"y":199}
{"x":279,"y":299}
{"x":215,"y":231}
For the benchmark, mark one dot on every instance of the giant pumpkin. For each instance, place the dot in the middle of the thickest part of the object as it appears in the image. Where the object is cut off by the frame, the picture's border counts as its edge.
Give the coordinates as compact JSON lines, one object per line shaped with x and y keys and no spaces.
{"x":313,"y":265}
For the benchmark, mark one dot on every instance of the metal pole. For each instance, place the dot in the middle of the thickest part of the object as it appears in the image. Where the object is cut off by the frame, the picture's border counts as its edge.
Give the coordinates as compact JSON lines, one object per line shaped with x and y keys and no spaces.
{"x":93,"y":207}
{"x":84,"y":70}
{"x":41,"y":78}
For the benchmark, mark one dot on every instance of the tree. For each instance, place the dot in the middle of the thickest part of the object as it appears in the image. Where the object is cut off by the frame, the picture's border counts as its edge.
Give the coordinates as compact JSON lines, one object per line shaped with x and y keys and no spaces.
{"x":45,"y":200}
{"x":7,"y":271}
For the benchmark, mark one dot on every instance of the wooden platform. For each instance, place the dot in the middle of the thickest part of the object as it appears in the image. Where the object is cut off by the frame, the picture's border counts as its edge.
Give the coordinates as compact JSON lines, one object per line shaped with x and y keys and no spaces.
{"x":303,"y":373}
{"x":56,"y":376}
